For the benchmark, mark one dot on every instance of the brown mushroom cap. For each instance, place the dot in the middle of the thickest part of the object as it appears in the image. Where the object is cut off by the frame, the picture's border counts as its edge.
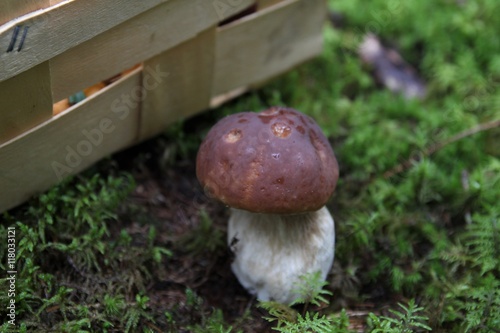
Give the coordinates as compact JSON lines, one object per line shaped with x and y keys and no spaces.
{"x":277,"y":161}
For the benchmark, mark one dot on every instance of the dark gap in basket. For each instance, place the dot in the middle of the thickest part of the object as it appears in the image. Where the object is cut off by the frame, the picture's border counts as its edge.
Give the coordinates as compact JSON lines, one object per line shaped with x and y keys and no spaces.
{"x":77,"y":97}
{"x":250,"y":10}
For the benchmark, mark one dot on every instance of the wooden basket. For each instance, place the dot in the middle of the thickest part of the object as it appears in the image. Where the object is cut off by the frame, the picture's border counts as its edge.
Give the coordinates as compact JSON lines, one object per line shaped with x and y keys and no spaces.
{"x":183,"y":56}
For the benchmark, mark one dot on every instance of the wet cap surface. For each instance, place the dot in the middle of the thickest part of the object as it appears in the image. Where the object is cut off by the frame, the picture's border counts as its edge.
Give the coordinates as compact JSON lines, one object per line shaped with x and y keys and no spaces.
{"x":277,"y":161}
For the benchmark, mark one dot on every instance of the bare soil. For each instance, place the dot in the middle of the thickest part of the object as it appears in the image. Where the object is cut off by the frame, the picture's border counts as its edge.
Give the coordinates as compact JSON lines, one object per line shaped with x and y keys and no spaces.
{"x":171,"y":198}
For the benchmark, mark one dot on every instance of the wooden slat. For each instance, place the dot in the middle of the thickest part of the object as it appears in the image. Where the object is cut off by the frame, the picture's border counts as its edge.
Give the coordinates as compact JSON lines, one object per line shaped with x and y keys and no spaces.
{"x":25,"y":101}
{"x":60,"y":27}
{"x":186,"y":90}
{"x":138,"y":39}
{"x":61,"y":146}
{"x":268,"y":43}
{"x":10,"y":9}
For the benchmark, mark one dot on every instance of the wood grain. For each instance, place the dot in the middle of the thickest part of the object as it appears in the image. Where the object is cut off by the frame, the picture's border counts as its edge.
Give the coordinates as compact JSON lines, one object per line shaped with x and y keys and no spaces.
{"x":266,"y":3}
{"x":61,"y":146}
{"x":267,"y":43}
{"x":10,"y":9}
{"x":25,"y":101}
{"x":186,"y":90}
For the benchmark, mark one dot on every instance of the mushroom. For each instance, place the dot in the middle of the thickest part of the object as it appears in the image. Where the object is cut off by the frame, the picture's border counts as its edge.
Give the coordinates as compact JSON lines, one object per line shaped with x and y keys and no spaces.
{"x":276,"y":170}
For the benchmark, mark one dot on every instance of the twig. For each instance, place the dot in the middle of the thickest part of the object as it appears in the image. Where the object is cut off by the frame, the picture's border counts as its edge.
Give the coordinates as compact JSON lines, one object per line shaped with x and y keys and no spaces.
{"x":405,"y":165}
{"x":153,"y":327}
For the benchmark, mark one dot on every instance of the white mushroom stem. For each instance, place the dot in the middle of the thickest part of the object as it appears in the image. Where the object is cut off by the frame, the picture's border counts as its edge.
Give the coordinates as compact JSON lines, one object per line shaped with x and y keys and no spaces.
{"x":272,"y":251}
